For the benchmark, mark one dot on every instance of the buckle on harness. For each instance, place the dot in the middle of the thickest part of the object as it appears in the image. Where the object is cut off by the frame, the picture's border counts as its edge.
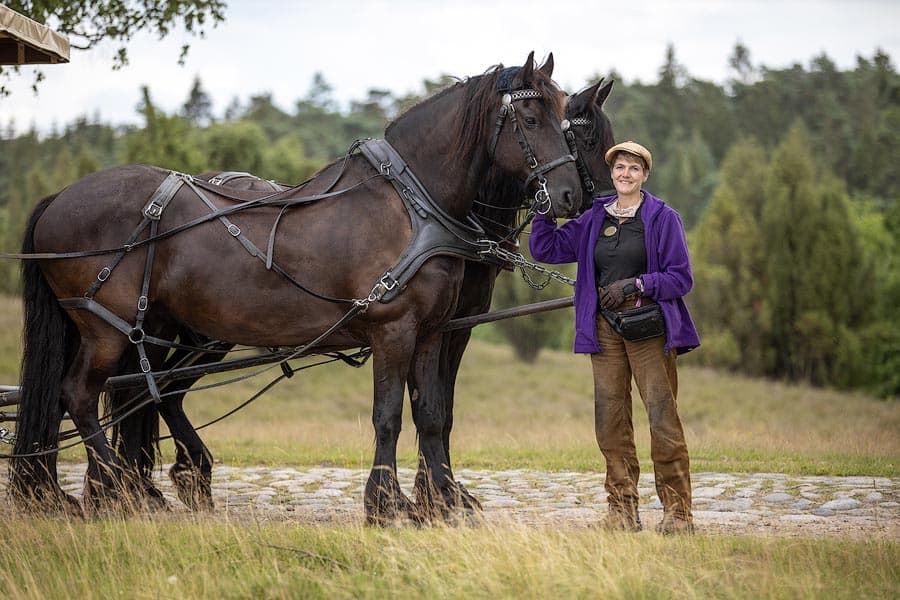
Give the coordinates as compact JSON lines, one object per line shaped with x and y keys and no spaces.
{"x":387,"y":282}
{"x":384,"y":285}
{"x":153,"y":210}
{"x":234,"y":229}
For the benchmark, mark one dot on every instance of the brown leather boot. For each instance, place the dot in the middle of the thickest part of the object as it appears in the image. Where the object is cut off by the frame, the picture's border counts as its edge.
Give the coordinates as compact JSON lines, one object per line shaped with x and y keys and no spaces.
{"x":622,"y":518}
{"x":672,"y":524}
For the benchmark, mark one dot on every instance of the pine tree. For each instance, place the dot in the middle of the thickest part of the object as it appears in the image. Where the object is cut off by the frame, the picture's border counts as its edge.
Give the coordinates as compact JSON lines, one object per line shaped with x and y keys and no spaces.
{"x":729,"y":266}
{"x":814,"y":270}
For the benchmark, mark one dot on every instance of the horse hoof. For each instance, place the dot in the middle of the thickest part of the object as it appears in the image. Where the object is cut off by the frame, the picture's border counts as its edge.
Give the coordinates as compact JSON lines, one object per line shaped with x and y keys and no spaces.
{"x":192,"y":488}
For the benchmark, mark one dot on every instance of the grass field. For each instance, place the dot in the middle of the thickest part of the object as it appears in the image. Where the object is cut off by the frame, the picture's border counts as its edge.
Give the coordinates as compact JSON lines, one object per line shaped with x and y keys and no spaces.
{"x":508,"y":415}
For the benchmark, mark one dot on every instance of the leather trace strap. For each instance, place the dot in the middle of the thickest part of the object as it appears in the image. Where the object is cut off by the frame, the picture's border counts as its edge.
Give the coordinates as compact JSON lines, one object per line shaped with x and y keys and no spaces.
{"x":434,"y":231}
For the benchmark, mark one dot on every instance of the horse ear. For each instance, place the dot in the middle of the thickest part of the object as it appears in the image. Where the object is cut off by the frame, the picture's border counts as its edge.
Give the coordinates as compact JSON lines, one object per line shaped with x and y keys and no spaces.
{"x":603,"y":92}
{"x":581,"y":102}
{"x":528,"y":69}
{"x":547,"y":67}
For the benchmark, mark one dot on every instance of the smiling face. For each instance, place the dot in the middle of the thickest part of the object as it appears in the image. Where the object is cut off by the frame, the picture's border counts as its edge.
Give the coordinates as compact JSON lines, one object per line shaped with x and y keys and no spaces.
{"x":628,"y":173}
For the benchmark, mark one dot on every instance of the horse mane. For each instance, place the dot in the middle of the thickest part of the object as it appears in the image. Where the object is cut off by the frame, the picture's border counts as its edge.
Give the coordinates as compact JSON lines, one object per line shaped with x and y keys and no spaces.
{"x":481,"y":100}
{"x":498,"y":200}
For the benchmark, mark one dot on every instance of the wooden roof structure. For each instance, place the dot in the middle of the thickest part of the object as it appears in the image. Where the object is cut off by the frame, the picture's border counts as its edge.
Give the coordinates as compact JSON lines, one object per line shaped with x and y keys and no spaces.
{"x":24,"y":41}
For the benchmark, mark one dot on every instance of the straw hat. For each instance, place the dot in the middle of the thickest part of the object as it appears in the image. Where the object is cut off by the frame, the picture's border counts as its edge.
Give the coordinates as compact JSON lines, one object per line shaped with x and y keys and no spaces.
{"x":633,"y":148}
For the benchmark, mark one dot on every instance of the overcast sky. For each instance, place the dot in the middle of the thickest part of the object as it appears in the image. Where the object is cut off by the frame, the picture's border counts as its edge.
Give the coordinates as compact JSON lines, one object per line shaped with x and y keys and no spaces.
{"x":278,"y":45}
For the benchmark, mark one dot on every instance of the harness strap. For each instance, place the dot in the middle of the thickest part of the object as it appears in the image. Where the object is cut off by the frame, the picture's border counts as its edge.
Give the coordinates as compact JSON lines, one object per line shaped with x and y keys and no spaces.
{"x":226,"y":176}
{"x":434,"y":231}
{"x":233,"y":229}
{"x":163,"y":195}
{"x":106,"y":271}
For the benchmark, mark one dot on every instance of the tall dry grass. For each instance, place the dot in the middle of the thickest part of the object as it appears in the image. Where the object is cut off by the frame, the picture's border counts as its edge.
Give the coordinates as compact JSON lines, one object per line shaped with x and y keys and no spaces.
{"x":514,"y":415}
{"x":201,"y":558}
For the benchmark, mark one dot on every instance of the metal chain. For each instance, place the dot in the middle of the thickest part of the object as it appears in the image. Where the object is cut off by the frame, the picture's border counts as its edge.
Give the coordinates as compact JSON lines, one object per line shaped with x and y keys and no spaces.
{"x":517,"y":260}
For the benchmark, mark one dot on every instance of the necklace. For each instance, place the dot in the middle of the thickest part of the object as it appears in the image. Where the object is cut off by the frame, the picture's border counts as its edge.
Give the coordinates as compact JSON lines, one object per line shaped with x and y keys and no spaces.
{"x":624,"y":213}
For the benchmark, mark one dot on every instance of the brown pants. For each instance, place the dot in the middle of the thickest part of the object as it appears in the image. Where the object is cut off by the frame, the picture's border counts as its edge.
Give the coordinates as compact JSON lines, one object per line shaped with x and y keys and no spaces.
{"x":654,"y":372}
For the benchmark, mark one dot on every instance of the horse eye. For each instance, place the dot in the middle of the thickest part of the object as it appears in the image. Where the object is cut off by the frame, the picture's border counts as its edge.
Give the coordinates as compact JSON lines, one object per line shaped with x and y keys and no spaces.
{"x":530,"y":121}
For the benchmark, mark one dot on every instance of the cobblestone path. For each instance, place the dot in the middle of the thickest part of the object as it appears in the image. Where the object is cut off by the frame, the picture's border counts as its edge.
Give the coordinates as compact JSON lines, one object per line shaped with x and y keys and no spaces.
{"x":758,"y":503}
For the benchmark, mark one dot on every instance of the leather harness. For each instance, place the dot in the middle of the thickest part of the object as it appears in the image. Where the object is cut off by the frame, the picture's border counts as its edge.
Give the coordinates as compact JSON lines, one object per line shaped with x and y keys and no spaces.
{"x":434,"y":233}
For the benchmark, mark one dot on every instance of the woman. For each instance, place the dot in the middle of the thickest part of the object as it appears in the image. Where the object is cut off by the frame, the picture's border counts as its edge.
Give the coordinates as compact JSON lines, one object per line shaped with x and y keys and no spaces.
{"x":631,"y":253}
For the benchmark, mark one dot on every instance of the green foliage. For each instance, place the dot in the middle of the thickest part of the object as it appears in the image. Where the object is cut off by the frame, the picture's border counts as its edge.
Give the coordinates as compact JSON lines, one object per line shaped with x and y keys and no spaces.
{"x":238,"y":146}
{"x":528,"y":334}
{"x":786,"y":179}
{"x":165,"y":141}
{"x":729,"y":264}
{"x":87,"y":23}
{"x":688,"y":176}
{"x":814,"y":275}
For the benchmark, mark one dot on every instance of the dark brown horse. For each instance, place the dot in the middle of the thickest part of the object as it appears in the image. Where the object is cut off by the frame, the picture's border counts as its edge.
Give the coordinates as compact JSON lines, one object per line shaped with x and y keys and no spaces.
{"x":330,"y":255}
{"x":496,"y":207}
{"x":593,"y":135}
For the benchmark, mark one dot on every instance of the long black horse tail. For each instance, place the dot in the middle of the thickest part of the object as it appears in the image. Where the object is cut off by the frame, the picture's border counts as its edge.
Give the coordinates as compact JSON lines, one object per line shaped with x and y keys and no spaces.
{"x":50,"y":340}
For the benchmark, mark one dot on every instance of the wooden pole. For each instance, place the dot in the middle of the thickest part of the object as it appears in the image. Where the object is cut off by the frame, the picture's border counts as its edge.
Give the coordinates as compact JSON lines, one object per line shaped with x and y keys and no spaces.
{"x":134,"y":379}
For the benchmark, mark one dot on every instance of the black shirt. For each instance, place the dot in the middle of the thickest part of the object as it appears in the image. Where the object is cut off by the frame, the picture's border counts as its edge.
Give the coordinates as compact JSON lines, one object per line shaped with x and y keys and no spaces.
{"x":620,"y":252}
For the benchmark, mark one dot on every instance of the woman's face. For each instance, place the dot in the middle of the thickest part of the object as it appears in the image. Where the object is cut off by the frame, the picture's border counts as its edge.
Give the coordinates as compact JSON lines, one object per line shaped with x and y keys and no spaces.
{"x":628,"y":175}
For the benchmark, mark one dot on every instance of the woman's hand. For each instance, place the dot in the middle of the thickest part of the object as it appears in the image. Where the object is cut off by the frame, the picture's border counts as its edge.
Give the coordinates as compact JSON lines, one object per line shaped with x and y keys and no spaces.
{"x":615,"y":293}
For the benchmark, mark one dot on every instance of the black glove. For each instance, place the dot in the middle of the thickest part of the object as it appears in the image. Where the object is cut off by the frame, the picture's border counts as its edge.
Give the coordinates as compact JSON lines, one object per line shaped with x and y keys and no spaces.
{"x":615,"y":293}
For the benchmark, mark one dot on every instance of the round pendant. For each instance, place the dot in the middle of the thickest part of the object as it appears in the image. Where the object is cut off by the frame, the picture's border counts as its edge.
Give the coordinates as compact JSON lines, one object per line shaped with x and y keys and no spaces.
{"x":611,"y":230}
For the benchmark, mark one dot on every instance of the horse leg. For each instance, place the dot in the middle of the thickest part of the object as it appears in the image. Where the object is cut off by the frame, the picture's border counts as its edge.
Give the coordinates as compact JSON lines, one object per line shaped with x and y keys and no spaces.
{"x":437,"y":493}
{"x":95,"y":361}
{"x":453,"y":346}
{"x":135,"y":437}
{"x":191,"y":474}
{"x":383,"y":497}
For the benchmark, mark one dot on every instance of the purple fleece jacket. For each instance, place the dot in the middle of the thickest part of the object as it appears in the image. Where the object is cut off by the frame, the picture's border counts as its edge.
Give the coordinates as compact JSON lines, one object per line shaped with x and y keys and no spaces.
{"x":667,"y":280}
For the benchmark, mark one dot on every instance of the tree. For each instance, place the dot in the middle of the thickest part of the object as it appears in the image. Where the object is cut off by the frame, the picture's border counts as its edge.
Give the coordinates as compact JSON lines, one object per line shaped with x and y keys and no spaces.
{"x":285,"y":161}
{"x":197,"y":109}
{"x":529,"y":334}
{"x":739,"y":61}
{"x":729,"y":261}
{"x":262,"y":111}
{"x":814,"y":276}
{"x":87,"y":22}
{"x":165,"y":141}
{"x":687,"y":177}
{"x":236,"y":146}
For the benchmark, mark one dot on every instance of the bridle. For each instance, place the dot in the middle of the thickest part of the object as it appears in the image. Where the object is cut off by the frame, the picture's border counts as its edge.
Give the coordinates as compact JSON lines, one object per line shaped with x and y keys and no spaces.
{"x":587,"y":179}
{"x":542,"y":202}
